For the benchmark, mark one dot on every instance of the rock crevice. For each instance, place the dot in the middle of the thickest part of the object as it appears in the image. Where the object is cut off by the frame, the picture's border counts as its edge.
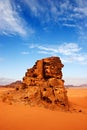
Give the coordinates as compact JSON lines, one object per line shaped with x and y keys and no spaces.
{"x":41,"y":86}
{"x":45,"y":85}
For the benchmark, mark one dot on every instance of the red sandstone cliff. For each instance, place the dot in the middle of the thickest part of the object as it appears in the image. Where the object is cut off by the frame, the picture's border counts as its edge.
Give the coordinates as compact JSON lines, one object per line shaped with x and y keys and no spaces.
{"x":42,"y":85}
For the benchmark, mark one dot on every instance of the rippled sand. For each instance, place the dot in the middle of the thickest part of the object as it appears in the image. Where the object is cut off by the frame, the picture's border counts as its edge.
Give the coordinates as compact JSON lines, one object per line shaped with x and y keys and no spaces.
{"x":23,"y":117}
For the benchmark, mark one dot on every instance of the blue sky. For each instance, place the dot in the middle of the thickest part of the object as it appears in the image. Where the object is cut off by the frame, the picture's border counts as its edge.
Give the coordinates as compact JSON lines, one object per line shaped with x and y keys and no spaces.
{"x":35,"y":29}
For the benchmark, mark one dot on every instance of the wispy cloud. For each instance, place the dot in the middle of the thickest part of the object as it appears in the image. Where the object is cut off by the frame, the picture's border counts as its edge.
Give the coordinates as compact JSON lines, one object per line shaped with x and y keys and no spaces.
{"x":76,"y":58}
{"x":69,"y":48}
{"x":10,"y":21}
{"x":69,"y":25}
{"x":24,"y":52}
{"x":65,"y":49}
{"x":50,"y":9}
{"x":62,"y":13}
{"x":55,"y":9}
{"x":69,"y":52}
{"x":82,"y":11}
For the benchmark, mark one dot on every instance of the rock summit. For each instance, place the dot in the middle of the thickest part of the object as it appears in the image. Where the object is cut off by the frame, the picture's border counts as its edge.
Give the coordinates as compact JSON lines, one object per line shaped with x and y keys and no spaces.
{"x":45,"y":85}
{"x":42,"y":86}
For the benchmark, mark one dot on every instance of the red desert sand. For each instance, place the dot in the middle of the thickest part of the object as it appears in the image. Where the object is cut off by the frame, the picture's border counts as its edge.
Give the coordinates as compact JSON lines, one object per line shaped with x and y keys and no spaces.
{"x":24,"y":117}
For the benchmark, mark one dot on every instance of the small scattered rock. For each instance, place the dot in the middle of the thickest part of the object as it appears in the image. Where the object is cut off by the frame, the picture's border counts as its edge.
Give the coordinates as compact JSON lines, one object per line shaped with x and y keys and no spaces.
{"x":80,"y":110}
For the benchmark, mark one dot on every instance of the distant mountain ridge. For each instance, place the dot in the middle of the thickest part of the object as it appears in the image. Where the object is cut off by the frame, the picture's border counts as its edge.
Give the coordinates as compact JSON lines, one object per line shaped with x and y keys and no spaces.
{"x":82,"y":85}
{"x":19,"y":82}
{"x":13,"y":84}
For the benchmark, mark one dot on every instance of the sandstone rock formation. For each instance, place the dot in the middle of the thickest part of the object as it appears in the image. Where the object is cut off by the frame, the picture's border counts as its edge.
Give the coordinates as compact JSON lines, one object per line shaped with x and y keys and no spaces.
{"x":45,"y":85}
{"x":42,"y":85}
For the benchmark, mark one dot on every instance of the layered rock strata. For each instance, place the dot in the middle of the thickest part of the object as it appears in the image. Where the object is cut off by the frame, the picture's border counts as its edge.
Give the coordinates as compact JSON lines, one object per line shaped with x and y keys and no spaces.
{"x":44,"y":84}
{"x":41,"y":86}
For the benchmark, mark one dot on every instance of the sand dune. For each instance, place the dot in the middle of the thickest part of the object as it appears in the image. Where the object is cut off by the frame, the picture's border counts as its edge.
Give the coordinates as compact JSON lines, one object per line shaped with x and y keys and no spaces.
{"x":78,"y":96}
{"x":24,"y":117}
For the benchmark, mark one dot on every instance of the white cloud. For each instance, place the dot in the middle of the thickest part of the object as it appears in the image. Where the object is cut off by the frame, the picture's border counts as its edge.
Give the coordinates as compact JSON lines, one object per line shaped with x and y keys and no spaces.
{"x":45,"y":52}
{"x":69,"y":48}
{"x":81,"y":3}
{"x":62,"y":13}
{"x":10,"y":21}
{"x":82,"y":32}
{"x":77,"y":58}
{"x":47,"y":10}
{"x":53,"y":10}
{"x":44,"y":49}
{"x":71,"y":15}
{"x":25,"y":53}
{"x":35,"y":6}
{"x":81,"y":10}
{"x":69,"y":52}
{"x":65,"y":49}
{"x":69,"y":25}
{"x":47,"y":49}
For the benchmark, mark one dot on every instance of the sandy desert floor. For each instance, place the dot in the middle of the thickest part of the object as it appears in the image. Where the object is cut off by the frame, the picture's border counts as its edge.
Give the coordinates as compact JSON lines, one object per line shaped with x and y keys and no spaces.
{"x":24,"y":117}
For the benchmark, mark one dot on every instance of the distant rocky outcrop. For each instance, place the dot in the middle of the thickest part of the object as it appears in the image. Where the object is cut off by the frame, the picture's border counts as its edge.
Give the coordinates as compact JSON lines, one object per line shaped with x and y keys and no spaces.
{"x":15,"y":84}
{"x":42,"y":85}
